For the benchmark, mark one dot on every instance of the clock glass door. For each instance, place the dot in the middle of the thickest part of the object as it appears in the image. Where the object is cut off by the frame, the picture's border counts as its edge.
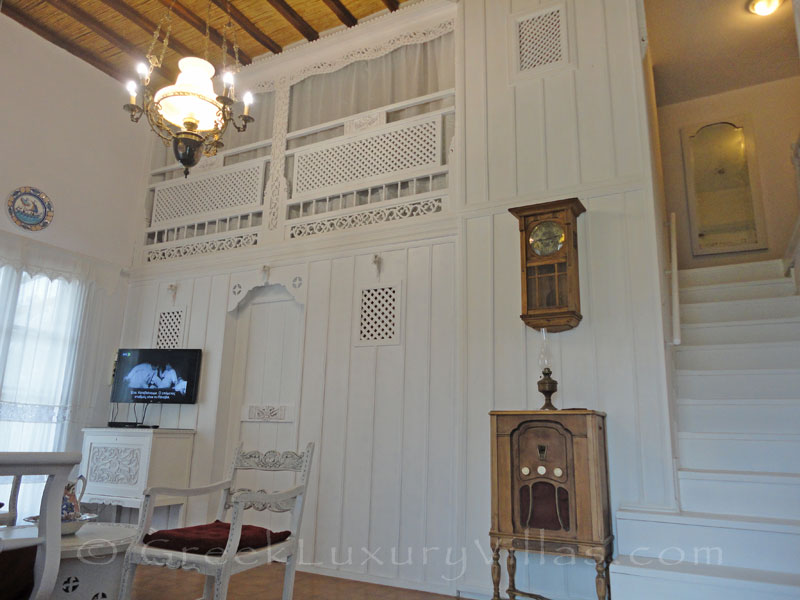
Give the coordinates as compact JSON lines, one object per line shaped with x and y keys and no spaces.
{"x":547,"y":285}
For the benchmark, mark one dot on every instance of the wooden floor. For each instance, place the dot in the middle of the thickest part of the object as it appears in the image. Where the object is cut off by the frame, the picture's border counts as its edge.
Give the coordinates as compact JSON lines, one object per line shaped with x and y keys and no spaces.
{"x":264,"y":583}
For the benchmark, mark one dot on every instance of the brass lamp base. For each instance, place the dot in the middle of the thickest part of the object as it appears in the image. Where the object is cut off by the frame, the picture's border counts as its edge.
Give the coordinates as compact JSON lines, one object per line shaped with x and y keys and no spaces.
{"x":547,"y":387}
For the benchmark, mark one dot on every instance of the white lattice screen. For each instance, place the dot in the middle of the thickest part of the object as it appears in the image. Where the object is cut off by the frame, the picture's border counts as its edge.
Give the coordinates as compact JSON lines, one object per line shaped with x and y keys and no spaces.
{"x":542,"y":40}
{"x":409,"y":147}
{"x":380,"y":316}
{"x":170,"y":328}
{"x":205,"y":194}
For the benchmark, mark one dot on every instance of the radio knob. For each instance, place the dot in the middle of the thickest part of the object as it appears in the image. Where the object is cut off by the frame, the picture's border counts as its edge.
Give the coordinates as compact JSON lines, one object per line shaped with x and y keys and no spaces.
{"x":558,"y":472}
{"x":526,"y":471}
{"x":541,"y":470}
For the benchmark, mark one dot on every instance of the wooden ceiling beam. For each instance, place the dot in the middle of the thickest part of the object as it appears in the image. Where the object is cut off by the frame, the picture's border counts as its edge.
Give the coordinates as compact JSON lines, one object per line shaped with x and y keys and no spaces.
{"x":250,"y":28}
{"x":106,"y":33}
{"x":200,"y":25}
{"x":62,"y":42}
{"x":147,"y":25}
{"x":295,"y":20}
{"x":340,"y":10}
{"x":392,"y":5}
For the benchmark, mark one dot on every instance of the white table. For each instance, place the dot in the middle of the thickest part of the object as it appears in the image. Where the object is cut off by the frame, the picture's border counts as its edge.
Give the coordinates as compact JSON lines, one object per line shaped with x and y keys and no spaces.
{"x":91,"y":561}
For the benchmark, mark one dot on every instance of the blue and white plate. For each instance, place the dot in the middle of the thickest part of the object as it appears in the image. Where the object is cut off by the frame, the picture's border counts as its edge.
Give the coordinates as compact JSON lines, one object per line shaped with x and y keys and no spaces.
{"x":30,"y":208}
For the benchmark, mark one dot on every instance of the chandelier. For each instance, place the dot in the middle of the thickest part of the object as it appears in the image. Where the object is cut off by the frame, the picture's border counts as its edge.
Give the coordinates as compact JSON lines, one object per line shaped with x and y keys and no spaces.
{"x":189,"y":114}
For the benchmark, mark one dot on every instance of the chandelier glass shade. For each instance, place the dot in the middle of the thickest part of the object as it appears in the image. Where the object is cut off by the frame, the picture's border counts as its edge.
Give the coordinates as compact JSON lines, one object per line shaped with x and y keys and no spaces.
{"x":192,"y":99}
{"x":189,"y":114}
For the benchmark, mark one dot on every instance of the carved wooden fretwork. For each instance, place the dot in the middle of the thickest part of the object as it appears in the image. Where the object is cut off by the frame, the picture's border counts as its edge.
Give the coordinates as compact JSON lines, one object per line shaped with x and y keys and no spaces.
{"x":277,"y":507}
{"x":271,"y":461}
{"x":368,"y":217}
{"x":365,"y":122}
{"x":114,"y":464}
{"x":243,"y":240}
{"x":276,"y":189}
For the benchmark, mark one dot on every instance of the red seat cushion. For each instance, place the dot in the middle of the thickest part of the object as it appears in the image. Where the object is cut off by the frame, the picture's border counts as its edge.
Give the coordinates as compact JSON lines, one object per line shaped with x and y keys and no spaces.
{"x":211,"y":538}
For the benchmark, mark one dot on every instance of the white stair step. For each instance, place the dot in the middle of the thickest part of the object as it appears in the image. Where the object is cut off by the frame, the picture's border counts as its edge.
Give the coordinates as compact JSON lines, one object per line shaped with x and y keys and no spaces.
{"x":772,"y":384}
{"x":708,"y":539}
{"x":766,"y":288}
{"x":736,"y":332}
{"x":751,"y":271}
{"x":738,"y":415}
{"x":780,"y":355}
{"x":785,"y":307}
{"x":634,"y":579}
{"x":771,"y":495}
{"x":768,"y":453}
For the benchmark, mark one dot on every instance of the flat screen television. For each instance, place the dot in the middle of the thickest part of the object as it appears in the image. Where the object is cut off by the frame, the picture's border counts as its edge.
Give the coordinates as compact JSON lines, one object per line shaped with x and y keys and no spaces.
{"x":156,"y":376}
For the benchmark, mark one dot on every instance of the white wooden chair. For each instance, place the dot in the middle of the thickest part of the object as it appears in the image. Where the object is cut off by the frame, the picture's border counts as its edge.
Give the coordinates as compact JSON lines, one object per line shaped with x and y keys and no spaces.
{"x":46,"y":535}
{"x":219,"y":568}
{"x":9,"y":516}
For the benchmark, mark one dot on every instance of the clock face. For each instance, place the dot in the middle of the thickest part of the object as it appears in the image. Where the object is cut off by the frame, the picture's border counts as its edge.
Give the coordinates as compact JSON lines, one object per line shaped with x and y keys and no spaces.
{"x":547,"y":238}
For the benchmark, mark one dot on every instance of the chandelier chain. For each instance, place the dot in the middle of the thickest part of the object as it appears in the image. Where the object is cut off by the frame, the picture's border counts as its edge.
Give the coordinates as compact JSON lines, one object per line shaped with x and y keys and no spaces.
{"x":165,"y":22}
{"x":208,"y":30}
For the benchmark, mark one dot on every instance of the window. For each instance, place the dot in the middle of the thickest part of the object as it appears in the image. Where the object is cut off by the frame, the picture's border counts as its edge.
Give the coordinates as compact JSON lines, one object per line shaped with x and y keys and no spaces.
{"x":39,"y":328}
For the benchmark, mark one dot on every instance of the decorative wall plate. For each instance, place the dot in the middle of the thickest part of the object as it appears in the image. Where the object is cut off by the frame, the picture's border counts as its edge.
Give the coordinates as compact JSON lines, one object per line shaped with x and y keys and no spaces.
{"x":30,"y":208}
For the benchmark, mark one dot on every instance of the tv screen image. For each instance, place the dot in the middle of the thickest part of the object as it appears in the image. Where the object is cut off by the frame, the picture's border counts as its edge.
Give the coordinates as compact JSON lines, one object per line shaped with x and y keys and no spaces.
{"x":156,"y":376}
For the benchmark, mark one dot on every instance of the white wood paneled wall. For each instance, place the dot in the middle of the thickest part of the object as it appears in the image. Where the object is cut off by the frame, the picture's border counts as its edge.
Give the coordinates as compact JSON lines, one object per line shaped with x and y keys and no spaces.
{"x":205,"y":299}
{"x":402,"y":456}
{"x":383,"y":418}
{"x":572,"y":128}
{"x":611,"y":362}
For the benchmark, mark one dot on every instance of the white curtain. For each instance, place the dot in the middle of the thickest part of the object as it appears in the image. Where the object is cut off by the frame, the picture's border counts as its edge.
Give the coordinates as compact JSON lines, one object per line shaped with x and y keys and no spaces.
{"x":405,"y":73}
{"x":47,"y":344}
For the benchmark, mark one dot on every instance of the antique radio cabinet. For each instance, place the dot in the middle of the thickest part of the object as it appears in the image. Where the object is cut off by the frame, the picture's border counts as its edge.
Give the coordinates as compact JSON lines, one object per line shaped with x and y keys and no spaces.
{"x":550,"y":490}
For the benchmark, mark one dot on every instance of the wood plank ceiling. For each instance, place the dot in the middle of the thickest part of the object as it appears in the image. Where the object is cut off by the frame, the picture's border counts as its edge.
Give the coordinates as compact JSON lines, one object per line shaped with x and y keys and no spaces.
{"x":113,"y":35}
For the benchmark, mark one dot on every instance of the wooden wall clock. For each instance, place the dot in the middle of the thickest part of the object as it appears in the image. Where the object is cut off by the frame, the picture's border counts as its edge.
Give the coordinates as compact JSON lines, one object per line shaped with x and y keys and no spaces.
{"x":549,"y":264}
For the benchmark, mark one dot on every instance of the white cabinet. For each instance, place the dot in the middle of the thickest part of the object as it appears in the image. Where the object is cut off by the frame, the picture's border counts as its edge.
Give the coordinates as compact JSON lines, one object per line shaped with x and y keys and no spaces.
{"x":119,"y":464}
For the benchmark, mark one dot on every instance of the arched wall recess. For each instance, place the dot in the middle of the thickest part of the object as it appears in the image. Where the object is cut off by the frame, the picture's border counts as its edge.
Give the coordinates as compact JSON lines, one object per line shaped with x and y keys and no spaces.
{"x":726,"y":213}
{"x":292,"y":278}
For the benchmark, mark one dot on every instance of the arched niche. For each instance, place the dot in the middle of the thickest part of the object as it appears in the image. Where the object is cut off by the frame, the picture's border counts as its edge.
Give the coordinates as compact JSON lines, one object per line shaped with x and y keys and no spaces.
{"x":723,"y":192}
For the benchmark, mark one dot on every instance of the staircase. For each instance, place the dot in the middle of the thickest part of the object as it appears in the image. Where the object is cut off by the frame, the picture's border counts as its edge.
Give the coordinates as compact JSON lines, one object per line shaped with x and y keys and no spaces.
{"x":738,"y":445}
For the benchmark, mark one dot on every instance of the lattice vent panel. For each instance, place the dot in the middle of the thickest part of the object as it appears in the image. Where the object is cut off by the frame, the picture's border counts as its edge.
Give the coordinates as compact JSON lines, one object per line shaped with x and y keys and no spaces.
{"x":542,"y":40}
{"x":402,"y":149}
{"x":380,"y":316}
{"x":241,"y":187}
{"x":170,"y":328}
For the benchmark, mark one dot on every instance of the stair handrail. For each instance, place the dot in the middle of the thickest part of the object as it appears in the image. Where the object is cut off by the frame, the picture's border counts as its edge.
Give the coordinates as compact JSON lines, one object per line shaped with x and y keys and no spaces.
{"x":673,"y":269}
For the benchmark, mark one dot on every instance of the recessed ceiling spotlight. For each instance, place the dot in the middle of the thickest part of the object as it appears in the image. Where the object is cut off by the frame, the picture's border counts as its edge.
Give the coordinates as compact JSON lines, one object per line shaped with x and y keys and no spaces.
{"x":763,"y":8}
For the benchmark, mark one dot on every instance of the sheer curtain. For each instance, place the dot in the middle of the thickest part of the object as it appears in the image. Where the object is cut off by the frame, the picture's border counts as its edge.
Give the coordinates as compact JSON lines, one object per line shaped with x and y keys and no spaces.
{"x":41,"y":320}
{"x":57,"y":310}
{"x":407,"y":72}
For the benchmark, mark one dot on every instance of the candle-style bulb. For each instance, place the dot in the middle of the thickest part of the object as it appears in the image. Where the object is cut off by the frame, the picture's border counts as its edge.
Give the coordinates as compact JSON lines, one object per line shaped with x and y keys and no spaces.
{"x":142,"y":69}
{"x":132,"y":90}
{"x":227,"y":78}
{"x":248,"y":100}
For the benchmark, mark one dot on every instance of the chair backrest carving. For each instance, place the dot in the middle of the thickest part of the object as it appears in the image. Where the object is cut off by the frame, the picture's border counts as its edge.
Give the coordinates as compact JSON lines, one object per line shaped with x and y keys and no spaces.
{"x":271,"y":461}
